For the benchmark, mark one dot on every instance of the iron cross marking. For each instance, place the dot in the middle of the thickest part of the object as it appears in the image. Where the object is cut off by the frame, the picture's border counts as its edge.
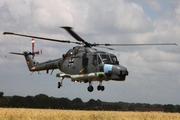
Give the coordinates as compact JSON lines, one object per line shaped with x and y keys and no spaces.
{"x":71,"y":62}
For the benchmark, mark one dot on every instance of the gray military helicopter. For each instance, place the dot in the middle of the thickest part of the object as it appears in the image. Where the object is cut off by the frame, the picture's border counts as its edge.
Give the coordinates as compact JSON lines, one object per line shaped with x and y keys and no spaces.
{"x":82,"y":63}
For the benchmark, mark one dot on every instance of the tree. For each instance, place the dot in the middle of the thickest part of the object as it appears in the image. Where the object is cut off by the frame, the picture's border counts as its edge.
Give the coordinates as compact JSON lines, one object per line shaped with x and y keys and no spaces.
{"x":30,"y":102}
{"x":139,"y":105}
{"x":41,"y":101}
{"x":77,"y":103}
{"x":17,"y":101}
{"x":131,"y":107}
{"x":168,"y":108}
{"x":1,"y":94}
{"x":91,"y":103}
{"x":177,"y":108}
{"x":3,"y":100}
{"x":64,"y":103}
{"x":98,"y":102}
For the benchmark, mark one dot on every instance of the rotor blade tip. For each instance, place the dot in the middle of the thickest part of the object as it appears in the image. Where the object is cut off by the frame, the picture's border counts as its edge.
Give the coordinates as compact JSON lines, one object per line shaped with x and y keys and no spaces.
{"x":174,"y":44}
{"x":7,"y":33}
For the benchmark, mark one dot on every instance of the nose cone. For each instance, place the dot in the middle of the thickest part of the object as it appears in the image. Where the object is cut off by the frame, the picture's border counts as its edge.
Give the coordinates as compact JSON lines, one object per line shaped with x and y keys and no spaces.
{"x":116,"y":72}
{"x":120,"y":70}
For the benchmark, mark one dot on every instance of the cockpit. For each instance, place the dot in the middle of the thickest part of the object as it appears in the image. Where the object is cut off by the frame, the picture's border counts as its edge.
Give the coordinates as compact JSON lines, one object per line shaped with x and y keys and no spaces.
{"x":98,"y":56}
{"x":106,"y":58}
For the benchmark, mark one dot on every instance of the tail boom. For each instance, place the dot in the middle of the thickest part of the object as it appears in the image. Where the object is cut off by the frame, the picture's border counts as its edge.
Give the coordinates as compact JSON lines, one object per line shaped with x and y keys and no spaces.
{"x":36,"y":66}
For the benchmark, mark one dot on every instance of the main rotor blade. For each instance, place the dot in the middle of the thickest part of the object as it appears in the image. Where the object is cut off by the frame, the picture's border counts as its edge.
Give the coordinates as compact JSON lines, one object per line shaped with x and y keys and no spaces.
{"x":135,"y":44}
{"x":105,"y":47}
{"x":77,"y":37}
{"x":42,"y":38}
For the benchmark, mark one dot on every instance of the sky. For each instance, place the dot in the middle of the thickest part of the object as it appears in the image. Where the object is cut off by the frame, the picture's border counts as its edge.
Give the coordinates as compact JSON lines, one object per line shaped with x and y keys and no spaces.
{"x":153,"y":70}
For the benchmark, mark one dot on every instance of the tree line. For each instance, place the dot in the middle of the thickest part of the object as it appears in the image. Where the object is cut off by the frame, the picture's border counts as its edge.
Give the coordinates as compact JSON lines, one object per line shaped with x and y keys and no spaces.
{"x":45,"y":102}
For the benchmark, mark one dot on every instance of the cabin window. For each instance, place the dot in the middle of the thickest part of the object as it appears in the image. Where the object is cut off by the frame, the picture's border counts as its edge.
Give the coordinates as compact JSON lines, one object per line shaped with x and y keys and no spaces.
{"x":85,"y":62}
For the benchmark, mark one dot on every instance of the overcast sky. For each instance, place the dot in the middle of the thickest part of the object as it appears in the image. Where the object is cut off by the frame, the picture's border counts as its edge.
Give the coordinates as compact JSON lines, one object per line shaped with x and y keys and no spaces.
{"x":154,"y":71}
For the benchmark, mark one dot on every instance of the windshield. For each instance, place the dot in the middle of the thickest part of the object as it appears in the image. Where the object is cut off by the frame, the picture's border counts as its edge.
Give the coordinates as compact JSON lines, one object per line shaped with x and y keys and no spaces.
{"x":114,"y":59}
{"x":105,"y":59}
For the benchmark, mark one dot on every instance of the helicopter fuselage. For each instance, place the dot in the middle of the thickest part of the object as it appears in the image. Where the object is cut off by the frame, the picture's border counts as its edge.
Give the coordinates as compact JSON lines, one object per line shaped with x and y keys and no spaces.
{"x":84,"y":64}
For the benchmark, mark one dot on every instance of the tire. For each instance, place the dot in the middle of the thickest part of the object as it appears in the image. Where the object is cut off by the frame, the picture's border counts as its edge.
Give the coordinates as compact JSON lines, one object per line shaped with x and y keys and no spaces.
{"x":102,"y":88}
{"x":90,"y":88}
{"x":98,"y":87}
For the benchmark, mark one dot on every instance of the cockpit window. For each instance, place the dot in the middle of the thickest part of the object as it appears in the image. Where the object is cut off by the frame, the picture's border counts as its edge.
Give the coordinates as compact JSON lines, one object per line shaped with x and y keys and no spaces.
{"x":114,"y":59}
{"x":105,"y":59}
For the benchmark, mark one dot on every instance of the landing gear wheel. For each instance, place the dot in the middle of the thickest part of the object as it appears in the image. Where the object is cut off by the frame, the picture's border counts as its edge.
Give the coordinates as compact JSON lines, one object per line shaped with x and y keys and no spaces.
{"x":98,"y":87}
{"x":102,"y":88}
{"x":59,"y":84}
{"x":90,"y":88}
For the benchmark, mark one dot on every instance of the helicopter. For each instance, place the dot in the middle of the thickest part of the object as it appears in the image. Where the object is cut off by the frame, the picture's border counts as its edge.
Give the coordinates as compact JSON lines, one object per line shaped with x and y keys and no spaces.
{"x":82,"y":63}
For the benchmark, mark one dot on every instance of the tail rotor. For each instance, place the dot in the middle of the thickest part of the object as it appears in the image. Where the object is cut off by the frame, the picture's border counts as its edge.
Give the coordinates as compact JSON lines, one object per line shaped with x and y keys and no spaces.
{"x":29,"y":56}
{"x":37,"y":52}
{"x":29,"y":53}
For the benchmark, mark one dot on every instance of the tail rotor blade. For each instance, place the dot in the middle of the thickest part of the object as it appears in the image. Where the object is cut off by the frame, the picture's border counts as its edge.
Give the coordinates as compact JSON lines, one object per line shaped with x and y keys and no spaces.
{"x":32,"y":41}
{"x":38,"y":52}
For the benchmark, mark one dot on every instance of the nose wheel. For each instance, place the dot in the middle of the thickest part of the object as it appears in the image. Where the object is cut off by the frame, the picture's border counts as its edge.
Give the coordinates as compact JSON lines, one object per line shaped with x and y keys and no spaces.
{"x":90,"y":88}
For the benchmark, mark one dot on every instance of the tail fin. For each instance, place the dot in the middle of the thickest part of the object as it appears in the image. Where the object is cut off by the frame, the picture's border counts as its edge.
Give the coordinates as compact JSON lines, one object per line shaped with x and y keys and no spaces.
{"x":29,"y":56}
{"x":31,"y":63}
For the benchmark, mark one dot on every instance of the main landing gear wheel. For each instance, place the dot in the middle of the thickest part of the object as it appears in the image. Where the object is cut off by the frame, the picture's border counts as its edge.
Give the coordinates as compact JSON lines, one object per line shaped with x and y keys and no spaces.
{"x":99,"y":87}
{"x":90,"y":88}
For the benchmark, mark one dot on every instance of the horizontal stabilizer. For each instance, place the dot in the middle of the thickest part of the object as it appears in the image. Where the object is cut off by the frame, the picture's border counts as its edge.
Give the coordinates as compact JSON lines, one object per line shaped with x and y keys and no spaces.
{"x":16,"y":53}
{"x":7,"y":33}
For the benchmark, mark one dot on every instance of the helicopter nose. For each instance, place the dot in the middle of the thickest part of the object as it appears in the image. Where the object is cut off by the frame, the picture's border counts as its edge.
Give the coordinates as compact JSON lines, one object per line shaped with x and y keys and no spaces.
{"x":120,"y":70}
{"x":116,"y":72}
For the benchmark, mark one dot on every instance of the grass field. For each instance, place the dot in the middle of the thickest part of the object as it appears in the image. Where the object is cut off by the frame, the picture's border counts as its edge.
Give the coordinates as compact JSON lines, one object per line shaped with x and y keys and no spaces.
{"x":49,"y":114}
